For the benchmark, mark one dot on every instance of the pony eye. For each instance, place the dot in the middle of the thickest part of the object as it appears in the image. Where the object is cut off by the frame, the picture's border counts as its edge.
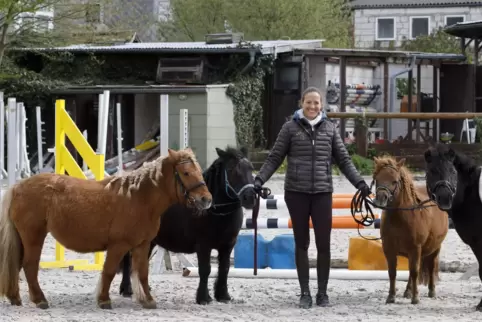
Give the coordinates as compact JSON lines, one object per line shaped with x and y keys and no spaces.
{"x":186,"y":174}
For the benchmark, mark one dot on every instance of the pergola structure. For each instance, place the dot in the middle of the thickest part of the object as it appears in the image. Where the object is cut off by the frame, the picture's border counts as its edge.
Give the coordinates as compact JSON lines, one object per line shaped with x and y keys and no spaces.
{"x":320,"y":56}
{"x":470,"y":33}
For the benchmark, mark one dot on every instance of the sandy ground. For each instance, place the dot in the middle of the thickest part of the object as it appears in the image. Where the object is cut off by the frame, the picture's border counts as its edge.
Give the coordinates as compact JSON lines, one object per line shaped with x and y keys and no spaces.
{"x":71,"y":294}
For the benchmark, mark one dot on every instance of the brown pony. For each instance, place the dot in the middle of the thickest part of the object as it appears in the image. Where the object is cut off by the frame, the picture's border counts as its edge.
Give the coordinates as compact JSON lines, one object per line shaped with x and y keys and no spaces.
{"x":118,"y":214}
{"x":414,"y":233}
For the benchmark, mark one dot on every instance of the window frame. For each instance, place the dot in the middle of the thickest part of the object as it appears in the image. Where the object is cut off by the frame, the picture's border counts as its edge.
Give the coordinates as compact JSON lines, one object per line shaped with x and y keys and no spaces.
{"x":377,"y":37}
{"x":411,"y":25}
{"x":453,"y":16}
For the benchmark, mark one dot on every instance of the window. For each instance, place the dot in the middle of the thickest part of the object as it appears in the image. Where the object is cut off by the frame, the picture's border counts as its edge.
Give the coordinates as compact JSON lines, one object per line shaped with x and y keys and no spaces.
{"x":452,"y":20}
{"x":419,"y":26}
{"x":385,"y":29}
{"x":92,"y":13}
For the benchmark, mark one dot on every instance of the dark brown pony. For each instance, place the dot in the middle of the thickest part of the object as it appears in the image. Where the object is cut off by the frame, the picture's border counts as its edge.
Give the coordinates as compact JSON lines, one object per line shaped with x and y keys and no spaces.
{"x":118,"y":214}
{"x":416,"y":234}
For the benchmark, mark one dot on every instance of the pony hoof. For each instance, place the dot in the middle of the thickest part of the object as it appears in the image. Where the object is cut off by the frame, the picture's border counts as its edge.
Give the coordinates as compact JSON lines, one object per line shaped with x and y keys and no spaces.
{"x":16,"y":302}
{"x":390,"y":300}
{"x":431,"y":294}
{"x":105,"y":305}
{"x":42,"y":305}
{"x":407,"y":295}
{"x":415,"y":301}
{"x":223,"y":299}
{"x":149,"y":305}
{"x":479,"y":308}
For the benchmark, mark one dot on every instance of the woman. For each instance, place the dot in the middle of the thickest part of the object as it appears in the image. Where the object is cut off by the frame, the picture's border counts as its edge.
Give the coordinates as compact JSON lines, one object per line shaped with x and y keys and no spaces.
{"x":310,"y":141}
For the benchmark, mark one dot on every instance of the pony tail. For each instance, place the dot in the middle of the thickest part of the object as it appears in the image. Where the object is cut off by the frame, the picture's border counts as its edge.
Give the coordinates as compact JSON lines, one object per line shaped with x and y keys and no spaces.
{"x":10,"y":249}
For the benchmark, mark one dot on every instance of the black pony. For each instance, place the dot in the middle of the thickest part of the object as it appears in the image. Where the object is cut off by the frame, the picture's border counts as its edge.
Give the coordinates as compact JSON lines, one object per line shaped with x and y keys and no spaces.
{"x":184,"y":230}
{"x":454,"y":183}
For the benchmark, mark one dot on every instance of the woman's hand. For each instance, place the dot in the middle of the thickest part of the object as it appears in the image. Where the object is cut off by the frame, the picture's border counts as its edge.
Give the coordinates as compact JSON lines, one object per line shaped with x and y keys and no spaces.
{"x":364,"y":189}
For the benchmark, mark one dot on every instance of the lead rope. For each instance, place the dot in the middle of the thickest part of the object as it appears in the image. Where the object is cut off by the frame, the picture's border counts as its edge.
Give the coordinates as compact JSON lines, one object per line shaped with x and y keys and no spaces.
{"x":264,"y":193}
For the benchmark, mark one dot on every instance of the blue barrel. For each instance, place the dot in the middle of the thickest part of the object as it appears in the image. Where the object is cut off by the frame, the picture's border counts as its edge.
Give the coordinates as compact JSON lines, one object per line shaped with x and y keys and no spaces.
{"x":281,"y":252}
{"x":244,"y":251}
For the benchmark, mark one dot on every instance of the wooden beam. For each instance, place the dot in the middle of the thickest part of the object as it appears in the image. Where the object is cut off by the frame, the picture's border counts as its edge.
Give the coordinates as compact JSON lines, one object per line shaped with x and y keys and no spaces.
{"x":413,"y":115}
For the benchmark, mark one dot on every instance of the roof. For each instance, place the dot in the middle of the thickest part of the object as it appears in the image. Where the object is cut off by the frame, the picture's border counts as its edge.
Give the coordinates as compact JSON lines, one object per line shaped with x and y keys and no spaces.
{"x":379,"y":4}
{"x":132,"y":89}
{"x":368,"y":53}
{"x":468,"y":29}
{"x":267,"y":47}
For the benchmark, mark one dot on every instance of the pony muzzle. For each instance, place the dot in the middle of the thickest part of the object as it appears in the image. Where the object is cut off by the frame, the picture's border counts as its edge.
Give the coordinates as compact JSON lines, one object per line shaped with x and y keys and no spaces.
{"x":202,"y":202}
{"x":443,"y":195}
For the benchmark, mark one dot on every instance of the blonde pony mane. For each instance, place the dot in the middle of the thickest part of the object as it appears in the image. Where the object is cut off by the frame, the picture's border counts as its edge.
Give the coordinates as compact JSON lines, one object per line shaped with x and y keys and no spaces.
{"x":408,"y":193}
{"x":131,"y":181}
{"x":151,"y":172}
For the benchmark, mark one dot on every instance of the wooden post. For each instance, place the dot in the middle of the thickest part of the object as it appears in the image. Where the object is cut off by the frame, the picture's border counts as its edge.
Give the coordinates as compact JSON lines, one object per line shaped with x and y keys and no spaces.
{"x":410,"y":122}
{"x":342,"y":95}
{"x":435,"y":101}
{"x":419,"y":102}
{"x":361,"y":140}
{"x":386,"y":77}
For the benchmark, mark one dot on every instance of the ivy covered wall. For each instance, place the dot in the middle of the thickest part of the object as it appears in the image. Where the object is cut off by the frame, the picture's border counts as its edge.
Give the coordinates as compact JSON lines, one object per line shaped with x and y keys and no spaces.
{"x":31,"y":78}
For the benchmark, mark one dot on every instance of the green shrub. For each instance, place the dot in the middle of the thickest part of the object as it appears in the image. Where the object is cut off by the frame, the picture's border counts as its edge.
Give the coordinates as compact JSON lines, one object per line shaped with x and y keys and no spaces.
{"x":363,"y":165}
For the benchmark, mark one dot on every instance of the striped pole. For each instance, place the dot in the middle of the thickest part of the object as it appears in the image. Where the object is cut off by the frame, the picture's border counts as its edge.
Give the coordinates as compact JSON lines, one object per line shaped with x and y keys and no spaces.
{"x":340,"y":222}
{"x":335,"y":196}
{"x":338,"y":203}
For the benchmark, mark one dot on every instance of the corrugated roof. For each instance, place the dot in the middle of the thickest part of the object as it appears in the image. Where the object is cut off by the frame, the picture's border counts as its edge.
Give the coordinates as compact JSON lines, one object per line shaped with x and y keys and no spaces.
{"x":379,"y":4}
{"x":267,"y":47}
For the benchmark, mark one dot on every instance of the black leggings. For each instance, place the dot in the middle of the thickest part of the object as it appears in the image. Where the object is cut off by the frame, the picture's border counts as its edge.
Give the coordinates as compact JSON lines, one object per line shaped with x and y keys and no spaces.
{"x":301,"y":207}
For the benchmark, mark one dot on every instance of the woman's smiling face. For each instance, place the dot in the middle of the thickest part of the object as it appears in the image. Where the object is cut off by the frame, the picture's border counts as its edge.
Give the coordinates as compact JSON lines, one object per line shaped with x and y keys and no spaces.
{"x":311,"y":105}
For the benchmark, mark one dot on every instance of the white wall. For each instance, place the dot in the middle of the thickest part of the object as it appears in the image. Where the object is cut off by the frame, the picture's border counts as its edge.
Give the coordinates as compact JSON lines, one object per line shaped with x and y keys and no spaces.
{"x":365,"y":22}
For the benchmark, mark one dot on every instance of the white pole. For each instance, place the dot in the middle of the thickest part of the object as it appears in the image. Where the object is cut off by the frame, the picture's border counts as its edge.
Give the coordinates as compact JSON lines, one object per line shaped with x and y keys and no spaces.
{"x":12,"y":141}
{"x":99,"y":124}
{"x":183,"y":129}
{"x":84,"y":164}
{"x":26,"y":164}
{"x":337,"y":274}
{"x":39,"y":139}
{"x":105,"y":122}
{"x":2,"y":137}
{"x":164,"y":128}
{"x":119,"y":138}
{"x":19,"y":141}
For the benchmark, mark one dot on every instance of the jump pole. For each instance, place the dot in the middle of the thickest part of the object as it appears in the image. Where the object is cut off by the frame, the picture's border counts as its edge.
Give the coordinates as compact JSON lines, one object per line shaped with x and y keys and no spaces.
{"x":337,"y":203}
{"x":12,"y":141}
{"x":163,"y":256}
{"x":335,"y":196}
{"x":337,"y":274}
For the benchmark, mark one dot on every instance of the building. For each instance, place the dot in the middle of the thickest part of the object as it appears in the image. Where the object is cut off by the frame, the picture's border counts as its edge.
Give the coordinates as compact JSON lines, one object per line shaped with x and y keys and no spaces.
{"x":387,"y":23}
{"x":139,"y":16}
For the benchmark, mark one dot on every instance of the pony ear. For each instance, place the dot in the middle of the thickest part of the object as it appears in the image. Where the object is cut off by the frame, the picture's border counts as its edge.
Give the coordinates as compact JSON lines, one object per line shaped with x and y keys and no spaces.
{"x":221,"y":153}
{"x":401,"y":162}
{"x":451,"y":154}
{"x":428,"y":156}
{"x":171,"y":152}
{"x":376,"y":159}
{"x":188,"y":149}
{"x":244,"y":150}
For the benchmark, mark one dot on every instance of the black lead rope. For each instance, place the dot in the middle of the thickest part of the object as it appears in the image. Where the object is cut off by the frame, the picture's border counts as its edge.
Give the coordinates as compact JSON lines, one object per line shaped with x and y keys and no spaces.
{"x":264,"y":193}
{"x":367,"y":219}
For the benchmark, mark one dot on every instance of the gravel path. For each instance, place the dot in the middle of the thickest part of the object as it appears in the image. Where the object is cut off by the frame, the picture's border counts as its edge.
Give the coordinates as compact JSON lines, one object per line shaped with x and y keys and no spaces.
{"x":72,"y":299}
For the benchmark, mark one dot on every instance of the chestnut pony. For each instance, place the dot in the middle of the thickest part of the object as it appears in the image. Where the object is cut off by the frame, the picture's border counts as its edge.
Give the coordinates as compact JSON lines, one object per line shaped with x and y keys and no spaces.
{"x":118,"y":214}
{"x":408,"y":228}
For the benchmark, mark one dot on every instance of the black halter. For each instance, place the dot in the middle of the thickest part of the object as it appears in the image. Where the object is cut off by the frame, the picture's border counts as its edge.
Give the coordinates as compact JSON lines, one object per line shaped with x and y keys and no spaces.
{"x":186,"y":190}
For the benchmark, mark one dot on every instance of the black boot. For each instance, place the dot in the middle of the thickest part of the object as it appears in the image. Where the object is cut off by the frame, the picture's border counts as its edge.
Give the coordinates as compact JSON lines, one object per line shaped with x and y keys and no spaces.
{"x":323,"y":263}
{"x":303,"y":269}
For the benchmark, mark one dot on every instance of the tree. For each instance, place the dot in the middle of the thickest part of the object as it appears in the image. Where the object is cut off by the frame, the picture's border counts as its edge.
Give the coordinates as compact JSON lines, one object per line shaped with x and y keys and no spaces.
{"x":259,"y":20}
{"x":437,"y":42}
